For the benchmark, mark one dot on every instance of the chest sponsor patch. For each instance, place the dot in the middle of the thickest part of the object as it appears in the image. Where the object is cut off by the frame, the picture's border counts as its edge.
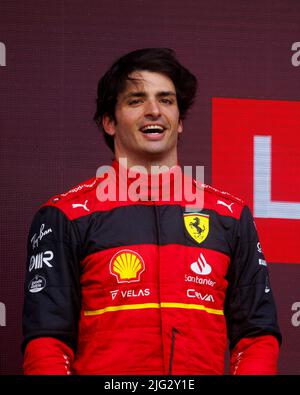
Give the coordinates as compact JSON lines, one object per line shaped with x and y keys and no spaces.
{"x":197,"y":226}
{"x":127,"y":266}
{"x":37,"y":284}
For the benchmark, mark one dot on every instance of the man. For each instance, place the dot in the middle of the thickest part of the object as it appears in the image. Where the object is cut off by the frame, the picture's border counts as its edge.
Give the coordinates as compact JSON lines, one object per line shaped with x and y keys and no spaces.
{"x":144,"y":285}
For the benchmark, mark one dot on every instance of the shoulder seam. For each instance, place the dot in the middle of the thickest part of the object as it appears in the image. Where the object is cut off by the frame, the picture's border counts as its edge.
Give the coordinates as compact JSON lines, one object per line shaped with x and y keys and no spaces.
{"x":73,"y":192}
{"x":224,"y":194}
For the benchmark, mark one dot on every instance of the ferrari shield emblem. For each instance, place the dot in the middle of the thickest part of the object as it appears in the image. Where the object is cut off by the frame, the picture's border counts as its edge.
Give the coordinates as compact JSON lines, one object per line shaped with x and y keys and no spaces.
{"x":197,"y":226}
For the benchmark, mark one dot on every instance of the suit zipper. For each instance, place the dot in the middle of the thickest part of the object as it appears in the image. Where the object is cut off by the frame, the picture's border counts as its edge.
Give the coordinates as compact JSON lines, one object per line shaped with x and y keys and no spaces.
{"x":174,"y":331}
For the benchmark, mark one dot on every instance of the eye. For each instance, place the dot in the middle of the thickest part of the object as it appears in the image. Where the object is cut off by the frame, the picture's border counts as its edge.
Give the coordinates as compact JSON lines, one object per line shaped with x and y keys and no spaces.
{"x":135,"y":102}
{"x":167,"y":101}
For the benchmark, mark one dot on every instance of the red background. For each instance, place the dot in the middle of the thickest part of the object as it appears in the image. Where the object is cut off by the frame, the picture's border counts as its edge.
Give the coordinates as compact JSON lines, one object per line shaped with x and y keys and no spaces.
{"x":235,"y":122}
{"x":56,"y":52}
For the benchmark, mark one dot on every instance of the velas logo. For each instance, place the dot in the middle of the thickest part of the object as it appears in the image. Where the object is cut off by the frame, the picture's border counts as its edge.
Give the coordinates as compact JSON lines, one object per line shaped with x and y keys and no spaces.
{"x":127,"y":266}
{"x":130,"y":293}
{"x":255,"y":155}
{"x":197,"y":226}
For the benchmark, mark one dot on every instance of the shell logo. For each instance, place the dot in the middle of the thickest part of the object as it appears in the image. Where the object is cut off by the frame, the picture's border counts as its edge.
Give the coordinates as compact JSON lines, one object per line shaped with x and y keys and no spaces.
{"x":127,"y":266}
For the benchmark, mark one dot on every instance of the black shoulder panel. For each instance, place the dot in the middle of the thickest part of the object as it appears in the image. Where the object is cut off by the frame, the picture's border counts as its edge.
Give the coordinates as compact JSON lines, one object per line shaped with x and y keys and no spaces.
{"x":52,"y":287}
{"x":249,"y":306}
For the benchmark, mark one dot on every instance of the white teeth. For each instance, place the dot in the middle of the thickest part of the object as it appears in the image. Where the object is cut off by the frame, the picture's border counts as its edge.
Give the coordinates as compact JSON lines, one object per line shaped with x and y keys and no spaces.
{"x":148,"y":127}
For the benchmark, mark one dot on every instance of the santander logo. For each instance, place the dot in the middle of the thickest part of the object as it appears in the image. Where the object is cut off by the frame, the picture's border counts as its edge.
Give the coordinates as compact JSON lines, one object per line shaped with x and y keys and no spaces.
{"x":201,"y":266}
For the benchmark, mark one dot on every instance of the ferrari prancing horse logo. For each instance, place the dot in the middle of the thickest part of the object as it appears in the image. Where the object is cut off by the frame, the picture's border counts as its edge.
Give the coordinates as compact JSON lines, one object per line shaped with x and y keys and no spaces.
{"x":197,"y":226}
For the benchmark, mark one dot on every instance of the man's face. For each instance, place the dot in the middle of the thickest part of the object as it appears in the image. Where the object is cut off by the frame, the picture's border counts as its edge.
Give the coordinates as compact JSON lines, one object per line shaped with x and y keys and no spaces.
{"x":147,"y":120}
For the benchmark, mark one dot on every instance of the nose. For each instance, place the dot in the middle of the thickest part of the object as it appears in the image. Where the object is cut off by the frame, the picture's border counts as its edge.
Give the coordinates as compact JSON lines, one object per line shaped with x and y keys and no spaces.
{"x":152,"y":109}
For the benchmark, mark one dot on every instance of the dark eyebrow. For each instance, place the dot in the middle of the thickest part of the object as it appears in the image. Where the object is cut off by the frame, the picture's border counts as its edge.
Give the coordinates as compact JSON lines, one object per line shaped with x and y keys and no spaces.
{"x":166,"y":93}
{"x":135,"y":94}
{"x":143,"y":94}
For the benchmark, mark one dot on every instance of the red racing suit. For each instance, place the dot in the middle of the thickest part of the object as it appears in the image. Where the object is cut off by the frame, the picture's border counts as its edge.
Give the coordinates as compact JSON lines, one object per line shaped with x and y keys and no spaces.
{"x":146,"y":287}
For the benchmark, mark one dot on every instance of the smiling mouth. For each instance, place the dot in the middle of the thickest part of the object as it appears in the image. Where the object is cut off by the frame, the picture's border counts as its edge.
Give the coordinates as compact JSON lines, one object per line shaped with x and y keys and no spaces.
{"x":152,"y":129}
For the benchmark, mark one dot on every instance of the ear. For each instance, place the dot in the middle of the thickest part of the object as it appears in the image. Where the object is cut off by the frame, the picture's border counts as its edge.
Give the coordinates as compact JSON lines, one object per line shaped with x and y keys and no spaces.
{"x":180,"y":126}
{"x":109,"y":125}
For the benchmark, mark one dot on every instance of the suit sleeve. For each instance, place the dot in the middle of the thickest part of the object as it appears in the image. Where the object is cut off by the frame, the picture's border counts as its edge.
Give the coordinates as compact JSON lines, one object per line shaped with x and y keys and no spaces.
{"x":52,"y":286}
{"x":255,"y":355}
{"x":249,"y":305}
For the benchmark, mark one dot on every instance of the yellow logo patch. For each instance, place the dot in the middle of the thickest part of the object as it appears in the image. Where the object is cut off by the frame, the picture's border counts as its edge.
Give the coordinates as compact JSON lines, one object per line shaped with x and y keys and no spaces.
{"x":197,"y":226}
{"x":127,"y":266}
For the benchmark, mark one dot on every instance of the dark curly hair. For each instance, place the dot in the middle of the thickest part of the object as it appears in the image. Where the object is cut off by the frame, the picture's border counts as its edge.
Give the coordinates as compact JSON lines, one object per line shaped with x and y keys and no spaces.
{"x":160,"y":60}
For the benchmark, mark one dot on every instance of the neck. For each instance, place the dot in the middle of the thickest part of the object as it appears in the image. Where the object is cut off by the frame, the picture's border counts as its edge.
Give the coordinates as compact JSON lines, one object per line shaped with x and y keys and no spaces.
{"x":148,"y":165}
